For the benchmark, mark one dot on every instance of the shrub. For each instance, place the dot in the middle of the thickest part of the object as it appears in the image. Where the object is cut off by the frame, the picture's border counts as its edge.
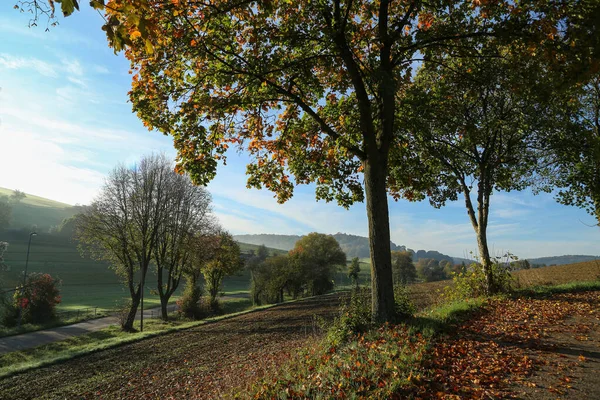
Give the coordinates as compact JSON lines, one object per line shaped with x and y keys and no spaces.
{"x":122,"y":309}
{"x":355,"y":314}
{"x":38,"y":299}
{"x":471,"y":283}
{"x":355,"y":317}
{"x":404,"y":306}
{"x":189,"y":303}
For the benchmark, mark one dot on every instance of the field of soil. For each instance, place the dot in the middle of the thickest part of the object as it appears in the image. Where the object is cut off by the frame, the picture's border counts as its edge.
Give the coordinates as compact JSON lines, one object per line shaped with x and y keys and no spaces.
{"x":203,"y":362}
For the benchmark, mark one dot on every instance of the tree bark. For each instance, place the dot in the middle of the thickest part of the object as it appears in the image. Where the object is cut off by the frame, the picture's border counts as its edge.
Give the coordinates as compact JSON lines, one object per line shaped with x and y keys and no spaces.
{"x":135,"y":302}
{"x":484,"y":257}
{"x":382,"y":296}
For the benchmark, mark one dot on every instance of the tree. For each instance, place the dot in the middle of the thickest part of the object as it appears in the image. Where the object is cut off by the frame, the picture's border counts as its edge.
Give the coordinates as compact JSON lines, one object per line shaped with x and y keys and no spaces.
{"x":477,"y":124}
{"x":430,"y":270}
{"x":202,"y":248}
{"x":577,"y":149}
{"x":17,"y":196}
{"x":353,"y":270}
{"x":403,"y":269}
{"x":123,"y":223}
{"x":318,"y":256}
{"x":5,"y":212}
{"x":274,"y":276}
{"x":3,"y":248}
{"x":310,"y":89}
{"x":254,"y":264}
{"x":226,"y":261}
{"x":188,"y":214}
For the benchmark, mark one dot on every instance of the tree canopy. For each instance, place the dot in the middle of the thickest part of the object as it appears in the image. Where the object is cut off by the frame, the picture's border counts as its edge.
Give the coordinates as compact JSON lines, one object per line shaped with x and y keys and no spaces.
{"x":310,"y":89}
{"x":577,"y":150}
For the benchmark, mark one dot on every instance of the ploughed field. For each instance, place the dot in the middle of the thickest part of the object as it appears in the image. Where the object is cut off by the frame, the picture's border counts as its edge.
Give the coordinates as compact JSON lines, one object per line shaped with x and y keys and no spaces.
{"x":208,"y":361}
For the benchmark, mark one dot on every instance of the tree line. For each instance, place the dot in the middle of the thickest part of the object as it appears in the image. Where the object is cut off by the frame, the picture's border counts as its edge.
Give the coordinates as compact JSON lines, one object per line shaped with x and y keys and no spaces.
{"x":306,"y":270}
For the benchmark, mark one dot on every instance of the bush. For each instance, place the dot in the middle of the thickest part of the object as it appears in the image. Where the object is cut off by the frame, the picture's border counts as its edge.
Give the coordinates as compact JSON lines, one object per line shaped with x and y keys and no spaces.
{"x":355,"y":314}
{"x":9,"y":313}
{"x":355,"y":317}
{"x":38,"y":299}
{"x":404,"y":306}
{"x":471,"y":283}
{"x":122,"y":309}
{"x":189,"y":304}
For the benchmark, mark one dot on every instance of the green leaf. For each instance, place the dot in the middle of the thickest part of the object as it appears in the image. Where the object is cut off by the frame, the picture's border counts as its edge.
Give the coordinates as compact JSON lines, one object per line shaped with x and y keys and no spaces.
{"x":68,"y":6}
{"x":97,"y":4}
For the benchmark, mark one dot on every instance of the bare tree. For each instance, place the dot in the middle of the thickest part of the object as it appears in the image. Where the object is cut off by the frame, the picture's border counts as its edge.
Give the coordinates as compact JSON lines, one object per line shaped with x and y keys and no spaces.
{"x":123,"y":223}
{"x":188,"y":216}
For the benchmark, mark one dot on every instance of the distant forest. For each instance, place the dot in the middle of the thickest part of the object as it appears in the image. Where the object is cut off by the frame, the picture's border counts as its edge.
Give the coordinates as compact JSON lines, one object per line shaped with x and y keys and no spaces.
{"x":352,"y":245}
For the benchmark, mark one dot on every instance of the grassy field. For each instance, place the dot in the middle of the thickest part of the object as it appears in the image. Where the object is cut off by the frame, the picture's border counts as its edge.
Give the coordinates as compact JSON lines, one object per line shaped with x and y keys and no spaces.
{"x":85,"y":282}
{"x":38,"y":212}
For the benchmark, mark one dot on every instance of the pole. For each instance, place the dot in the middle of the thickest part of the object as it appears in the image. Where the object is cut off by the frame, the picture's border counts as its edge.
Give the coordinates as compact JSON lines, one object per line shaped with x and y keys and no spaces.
{"x":31,"y":235}
{"x":142,"y":305}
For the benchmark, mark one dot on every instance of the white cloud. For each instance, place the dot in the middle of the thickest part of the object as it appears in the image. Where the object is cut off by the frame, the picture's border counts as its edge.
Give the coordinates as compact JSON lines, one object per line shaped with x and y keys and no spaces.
{"x":9,"y":61}
{"x":100,"y":69}
{"x":72,"y":66}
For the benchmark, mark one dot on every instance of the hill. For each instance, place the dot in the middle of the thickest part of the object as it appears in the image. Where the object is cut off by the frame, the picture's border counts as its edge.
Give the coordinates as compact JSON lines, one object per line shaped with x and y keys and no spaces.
{"x":562,"y":260}
{"x":34,"y":211}
{"x":352,"y":245}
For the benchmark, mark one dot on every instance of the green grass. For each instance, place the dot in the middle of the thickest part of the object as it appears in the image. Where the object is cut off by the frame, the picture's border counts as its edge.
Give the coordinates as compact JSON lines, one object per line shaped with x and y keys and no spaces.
{"x":571,"y":287}
{"x":37,"y":211}
{"x":85,"y":282}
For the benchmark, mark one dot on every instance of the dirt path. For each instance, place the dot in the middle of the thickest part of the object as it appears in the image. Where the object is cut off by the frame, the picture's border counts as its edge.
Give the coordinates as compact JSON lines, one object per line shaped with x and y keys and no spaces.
{"x":526,"y":348}
{"x":203,"y":362}
{"x":47,"y":336}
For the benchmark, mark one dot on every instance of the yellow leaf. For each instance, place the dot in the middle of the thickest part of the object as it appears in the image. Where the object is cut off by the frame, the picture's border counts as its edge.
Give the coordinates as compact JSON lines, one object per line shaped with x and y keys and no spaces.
{"x":135,"y":34}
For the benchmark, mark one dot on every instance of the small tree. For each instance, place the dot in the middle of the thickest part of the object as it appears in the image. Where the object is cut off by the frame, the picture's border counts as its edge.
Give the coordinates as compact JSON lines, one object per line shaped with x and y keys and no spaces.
{"x":202,"y":248}
{"x":226,"y":261}
{"x":123,"y":223}
{"x":254,"y":264}
{"x":318,"y":257}
{"x":273,"y":277}
{"x":39,"y":298}
{"x":430,"y":270}
{"x":353,"y":270}
{"x":17,"y":196}
{"x":403,"y":269}
{"x":5,"y":212}
{"x":188,"y":208}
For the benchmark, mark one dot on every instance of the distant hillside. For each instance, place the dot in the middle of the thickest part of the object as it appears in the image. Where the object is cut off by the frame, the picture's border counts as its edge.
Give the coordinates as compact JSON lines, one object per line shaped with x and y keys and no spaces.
{"x":37,"y":211}
{"x":281,"y":242}
{"x":352,"y":245}
{"x":562,"y":260}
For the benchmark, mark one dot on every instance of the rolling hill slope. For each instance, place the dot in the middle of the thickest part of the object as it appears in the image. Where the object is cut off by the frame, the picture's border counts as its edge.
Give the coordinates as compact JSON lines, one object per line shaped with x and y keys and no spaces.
{"x":38,"y":212}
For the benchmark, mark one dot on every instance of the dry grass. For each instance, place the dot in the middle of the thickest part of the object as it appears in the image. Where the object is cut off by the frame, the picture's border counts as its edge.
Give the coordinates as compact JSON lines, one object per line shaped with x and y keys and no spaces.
{"x":559,"y":274}
{"x":429,"y":294}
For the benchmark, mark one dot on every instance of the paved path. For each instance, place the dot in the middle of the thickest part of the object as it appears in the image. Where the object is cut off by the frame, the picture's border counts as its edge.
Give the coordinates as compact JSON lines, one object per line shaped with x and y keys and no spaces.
{"x":47,"y":336}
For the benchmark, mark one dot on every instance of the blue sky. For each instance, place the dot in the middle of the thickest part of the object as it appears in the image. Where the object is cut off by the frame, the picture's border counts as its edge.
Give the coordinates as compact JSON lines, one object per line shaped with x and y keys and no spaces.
{"x":65,"y":122}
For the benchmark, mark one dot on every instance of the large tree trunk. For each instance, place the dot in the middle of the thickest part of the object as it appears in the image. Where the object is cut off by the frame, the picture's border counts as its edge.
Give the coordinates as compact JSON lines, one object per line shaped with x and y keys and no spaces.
{"x":135,"y":302}
{"x":484,"y":257}
{"x":382,"y":296}
{"x":164,"y":303}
